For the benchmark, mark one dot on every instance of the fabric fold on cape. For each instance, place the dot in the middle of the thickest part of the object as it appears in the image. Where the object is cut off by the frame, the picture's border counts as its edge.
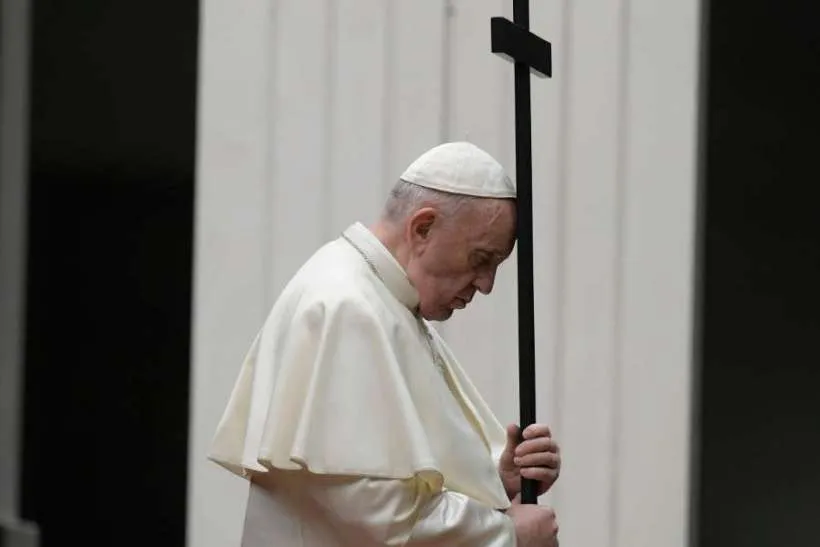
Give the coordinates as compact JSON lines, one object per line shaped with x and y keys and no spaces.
{"x":338,"y":383}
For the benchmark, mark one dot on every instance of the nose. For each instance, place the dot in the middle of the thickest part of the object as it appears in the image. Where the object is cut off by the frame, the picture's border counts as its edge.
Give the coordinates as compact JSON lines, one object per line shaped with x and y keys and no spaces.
{"x":485,"y":281}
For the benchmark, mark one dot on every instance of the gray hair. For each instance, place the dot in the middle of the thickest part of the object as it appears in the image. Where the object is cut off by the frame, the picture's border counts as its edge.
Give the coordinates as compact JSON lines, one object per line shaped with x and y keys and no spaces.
{"x":405,"y":198}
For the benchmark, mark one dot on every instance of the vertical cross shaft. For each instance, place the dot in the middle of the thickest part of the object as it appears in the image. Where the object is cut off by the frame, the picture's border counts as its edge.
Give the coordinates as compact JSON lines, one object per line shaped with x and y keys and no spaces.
{"x":526,"y":292}
{"x":528,"y":52}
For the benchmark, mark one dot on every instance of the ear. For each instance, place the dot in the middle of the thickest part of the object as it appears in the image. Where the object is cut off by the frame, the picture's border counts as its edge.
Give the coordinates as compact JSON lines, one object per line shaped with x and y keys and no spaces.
{"x":419,"y":226}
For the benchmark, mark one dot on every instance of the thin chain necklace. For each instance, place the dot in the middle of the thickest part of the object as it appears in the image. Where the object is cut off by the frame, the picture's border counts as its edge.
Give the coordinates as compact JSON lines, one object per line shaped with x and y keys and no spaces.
{"x":428,"y":336}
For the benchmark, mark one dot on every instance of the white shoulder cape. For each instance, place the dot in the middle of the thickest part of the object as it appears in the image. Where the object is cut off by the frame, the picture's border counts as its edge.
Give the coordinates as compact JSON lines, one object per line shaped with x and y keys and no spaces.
{"x":340,"y":380}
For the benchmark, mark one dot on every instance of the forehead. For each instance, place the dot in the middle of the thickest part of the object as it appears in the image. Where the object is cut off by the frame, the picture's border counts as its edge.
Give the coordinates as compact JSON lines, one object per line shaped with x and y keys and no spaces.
{"x":490,"y":225}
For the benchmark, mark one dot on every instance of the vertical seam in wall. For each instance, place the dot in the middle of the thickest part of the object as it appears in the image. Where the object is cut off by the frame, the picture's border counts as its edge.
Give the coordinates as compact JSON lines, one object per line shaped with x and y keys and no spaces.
{"x":505,"y":98}
{"x":448,"y":13}
{"x":505,"y":110}
{"x":622,"y":148}
{"x":268,"y":182}
{"x":446,"y":64}
{"x":330,"y":89}
{"x":559,"y":278}
{"x":388,"y":96}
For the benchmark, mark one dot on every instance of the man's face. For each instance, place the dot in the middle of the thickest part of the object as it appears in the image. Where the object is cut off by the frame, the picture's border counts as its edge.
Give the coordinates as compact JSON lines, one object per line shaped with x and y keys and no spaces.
{"x":451,"y":259}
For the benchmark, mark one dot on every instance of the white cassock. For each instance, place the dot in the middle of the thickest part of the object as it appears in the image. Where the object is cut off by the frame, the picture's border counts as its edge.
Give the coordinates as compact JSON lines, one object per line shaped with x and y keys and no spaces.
{"x":358,"y":419}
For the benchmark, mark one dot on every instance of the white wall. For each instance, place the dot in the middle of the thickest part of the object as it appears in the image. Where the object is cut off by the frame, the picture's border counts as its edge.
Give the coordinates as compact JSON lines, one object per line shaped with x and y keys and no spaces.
{"x":310,"y":109}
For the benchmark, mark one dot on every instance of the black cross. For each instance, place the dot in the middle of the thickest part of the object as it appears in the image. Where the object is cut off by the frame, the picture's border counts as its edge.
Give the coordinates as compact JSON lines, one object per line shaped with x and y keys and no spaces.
{"x":515,"y":42}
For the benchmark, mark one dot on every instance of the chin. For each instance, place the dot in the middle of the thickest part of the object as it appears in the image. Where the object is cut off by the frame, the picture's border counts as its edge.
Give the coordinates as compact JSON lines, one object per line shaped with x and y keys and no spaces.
{"x":442,"y":315}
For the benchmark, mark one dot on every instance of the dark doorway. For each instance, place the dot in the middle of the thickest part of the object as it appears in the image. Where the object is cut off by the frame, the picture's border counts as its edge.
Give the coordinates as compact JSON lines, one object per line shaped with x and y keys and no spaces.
{"x":109,"y":287}
{"x":760,"y":302}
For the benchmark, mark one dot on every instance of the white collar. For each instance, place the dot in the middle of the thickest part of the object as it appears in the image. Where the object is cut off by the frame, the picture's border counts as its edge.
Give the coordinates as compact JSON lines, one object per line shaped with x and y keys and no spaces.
{"x":382,"y":260}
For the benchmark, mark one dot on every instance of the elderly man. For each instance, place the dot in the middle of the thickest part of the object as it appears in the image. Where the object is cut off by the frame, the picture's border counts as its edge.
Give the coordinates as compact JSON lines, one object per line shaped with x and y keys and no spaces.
{"x":352,"y":419}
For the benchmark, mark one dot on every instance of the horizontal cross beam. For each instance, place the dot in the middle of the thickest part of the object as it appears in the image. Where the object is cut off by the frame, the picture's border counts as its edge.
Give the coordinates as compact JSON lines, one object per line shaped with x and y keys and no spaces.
{"x":517,"y":44}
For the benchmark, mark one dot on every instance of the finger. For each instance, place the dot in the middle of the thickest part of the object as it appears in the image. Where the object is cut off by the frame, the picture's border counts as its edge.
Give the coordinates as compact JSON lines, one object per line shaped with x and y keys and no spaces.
{"x":541,"y":459}
{"x":540,"y":474}
{"x":537,"y":430}
{"x":541,"y":444}
{"x":555,"y":528}
{"x":512,"y":442}
{"x":512,"y":435}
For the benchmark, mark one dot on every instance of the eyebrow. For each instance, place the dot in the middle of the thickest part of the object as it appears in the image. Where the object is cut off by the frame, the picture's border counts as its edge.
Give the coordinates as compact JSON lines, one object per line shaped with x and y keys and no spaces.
{"x":491,"y":253}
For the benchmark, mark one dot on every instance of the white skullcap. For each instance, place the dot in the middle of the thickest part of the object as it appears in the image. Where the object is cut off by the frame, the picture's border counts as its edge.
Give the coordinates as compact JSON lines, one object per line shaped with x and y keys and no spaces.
{"x":460,"y":168}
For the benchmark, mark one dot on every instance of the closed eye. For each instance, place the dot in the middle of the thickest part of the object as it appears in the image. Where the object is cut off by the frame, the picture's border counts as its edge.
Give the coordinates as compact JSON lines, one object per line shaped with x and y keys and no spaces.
{"x":482,"y":260}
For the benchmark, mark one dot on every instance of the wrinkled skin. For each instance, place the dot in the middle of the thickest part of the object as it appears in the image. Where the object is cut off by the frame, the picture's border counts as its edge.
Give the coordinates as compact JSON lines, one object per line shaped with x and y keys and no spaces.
{"x":449,"y":259}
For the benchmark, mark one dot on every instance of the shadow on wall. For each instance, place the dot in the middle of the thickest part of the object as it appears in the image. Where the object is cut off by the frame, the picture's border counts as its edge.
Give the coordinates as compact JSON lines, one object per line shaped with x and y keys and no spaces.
{"x":761,"y":314}
{"x":109,"y":286}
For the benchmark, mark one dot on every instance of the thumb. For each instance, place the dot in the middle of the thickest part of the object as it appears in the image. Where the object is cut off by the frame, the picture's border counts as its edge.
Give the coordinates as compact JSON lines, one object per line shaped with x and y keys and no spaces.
{"x":513,"y":434}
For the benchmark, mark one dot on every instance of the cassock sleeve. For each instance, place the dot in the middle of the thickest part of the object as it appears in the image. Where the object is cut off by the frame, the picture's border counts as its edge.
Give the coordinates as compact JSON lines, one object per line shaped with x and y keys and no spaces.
{"x":409,"y":513}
